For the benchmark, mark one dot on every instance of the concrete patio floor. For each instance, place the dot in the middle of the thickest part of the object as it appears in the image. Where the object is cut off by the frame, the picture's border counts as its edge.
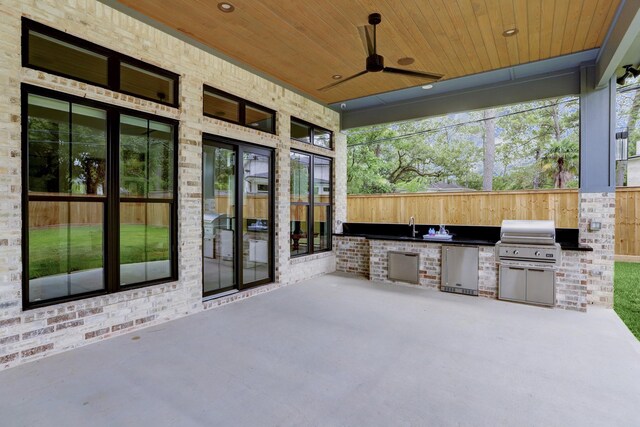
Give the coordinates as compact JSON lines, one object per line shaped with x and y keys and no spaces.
{"x":338,"y":350}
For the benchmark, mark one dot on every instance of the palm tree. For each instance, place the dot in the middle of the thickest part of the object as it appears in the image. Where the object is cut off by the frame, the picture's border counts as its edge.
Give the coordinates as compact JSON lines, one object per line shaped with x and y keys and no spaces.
{"x":561,"y":160}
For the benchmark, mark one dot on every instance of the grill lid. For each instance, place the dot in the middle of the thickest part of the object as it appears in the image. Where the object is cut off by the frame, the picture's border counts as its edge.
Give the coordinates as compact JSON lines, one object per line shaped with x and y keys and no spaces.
{"x":528,"y":232}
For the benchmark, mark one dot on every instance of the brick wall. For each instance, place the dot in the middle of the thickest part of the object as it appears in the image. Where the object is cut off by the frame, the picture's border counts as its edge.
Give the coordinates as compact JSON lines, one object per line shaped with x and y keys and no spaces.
{"x":428,"y":267}
{"x":598,"y":265}
{"x":357,"y":254}
{"x":571,"y":281}
{"x":29,"y":335}
{"x":352,"y":255}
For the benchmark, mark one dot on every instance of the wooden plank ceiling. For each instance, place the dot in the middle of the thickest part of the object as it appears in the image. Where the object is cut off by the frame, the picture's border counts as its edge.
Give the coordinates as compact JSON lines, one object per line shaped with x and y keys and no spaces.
{"x":304,"y":43}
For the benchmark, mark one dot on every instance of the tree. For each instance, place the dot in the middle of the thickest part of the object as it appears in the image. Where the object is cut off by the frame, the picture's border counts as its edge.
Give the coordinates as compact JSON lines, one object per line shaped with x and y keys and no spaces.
{"x":489,"y":148}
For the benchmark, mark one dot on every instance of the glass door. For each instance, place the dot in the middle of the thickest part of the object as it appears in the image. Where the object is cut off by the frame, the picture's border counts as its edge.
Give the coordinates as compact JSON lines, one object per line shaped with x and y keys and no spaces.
{"x":237,"y":216}
{"x":219,"y":219}
{"x":256,"y":217}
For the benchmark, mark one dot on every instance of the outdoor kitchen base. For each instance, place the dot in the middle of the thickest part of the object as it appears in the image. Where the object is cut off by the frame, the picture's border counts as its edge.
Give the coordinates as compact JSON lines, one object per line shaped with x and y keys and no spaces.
{"x":361,"y":255}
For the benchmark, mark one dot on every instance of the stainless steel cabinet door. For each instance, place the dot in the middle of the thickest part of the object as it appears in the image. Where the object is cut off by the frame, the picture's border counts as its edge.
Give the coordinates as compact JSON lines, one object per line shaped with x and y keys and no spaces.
{"x":403,"y":266}
{"x":540,"y":286}
{"x":460,"y":267}
{"x":513,"y":283}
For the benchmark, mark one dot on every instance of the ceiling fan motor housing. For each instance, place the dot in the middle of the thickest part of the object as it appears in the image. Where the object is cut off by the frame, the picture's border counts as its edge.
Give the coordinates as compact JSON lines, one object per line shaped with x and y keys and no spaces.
{"x":375,"y":19}
{"x":375,"y":63}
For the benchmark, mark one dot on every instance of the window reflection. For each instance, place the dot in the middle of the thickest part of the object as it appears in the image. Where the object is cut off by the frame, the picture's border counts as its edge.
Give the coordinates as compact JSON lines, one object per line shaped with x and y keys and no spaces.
{"x":67,"y":148}
{"x":144,"y":242}
{"x":256,"y":217}
{"x":64,"y":58}
{"x":146,"y":83}
{"x":221,"y":107}
{"x":65,"y":249}
{"x":146,"y":154}
{"x":219,"y":181}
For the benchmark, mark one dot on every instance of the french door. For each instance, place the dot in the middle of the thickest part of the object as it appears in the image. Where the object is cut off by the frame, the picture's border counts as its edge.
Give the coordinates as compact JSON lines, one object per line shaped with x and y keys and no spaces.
{"x":237,"y":215}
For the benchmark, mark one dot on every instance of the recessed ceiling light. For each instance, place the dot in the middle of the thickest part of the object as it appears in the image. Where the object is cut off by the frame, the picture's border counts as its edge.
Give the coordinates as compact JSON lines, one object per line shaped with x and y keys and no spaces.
{"x":336,"y":76}
{"x":510,"y":32}
{"x":406,"y":61}
{"x":427,"y":87}
{"x":226,"y":7}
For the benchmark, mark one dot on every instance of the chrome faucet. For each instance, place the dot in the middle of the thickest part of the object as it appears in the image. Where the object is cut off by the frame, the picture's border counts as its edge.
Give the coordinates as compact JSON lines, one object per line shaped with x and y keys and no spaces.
{"x":412,"y":224}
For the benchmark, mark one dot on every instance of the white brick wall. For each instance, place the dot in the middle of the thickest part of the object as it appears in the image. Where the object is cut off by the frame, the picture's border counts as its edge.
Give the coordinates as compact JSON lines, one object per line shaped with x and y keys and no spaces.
{"x":36,"y":333}
{"x":598,"y":265}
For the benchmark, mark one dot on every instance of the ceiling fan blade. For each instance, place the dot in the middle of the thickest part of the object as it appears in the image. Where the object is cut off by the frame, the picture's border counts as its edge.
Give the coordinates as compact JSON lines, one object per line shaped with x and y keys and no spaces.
{"x":424,"y":75}
{"x":367,"y":36}
{"x":343,"y":80}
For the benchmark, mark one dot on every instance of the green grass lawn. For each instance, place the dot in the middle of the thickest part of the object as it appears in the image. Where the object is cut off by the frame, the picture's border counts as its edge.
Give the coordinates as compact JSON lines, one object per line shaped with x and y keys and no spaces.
{"x":48,"y":248}
{"x":627,"y":295}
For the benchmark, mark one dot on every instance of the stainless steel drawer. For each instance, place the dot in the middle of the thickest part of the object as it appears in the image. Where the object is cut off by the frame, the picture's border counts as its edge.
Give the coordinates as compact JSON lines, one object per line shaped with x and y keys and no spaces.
{"x":403,"y":266}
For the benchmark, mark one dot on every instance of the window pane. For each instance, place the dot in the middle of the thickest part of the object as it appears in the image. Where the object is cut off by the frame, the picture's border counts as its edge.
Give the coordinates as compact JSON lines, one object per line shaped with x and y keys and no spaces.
{"x":89,"y":150}
{"x":146,"y":83}
{"x":63,"y":58}
{"x":256,"y":221}
{"x":219,"y":106}
{"x":145,"y":242}
{"x":161,"y":148}
{"x":259,"y":119}
{"x":322,"y":138}
{"x":299,"y":221}
{"x":218,"y":219}
{"x":300,"y":131}
{"x":65,"y":249}
{"x":321,"y":180}
{"x":146,"y":158}
{"x":300,"y":168}
{"x":67,"y":147}
{"x":133,"y":156}
{"x":321,"y":227}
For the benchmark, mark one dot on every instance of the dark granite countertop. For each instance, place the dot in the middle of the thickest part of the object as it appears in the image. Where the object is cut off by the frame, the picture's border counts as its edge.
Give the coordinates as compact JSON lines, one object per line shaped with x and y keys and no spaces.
{"x":462,"y":234}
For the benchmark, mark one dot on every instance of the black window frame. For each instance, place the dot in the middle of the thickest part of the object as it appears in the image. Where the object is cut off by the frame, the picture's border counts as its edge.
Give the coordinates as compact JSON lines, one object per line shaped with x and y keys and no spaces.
{"x":311,"y":204}
{"x":242,"y":109}
{"x":312,"y":131}
{"x":114,"y":60}
{"x":112,"y":201}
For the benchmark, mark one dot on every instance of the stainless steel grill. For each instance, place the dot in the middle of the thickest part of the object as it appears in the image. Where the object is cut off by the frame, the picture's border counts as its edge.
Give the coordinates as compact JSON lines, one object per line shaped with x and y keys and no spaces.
{"x":528,"y":256}
{"x":533,"y":241}
{"x":528,"y":232}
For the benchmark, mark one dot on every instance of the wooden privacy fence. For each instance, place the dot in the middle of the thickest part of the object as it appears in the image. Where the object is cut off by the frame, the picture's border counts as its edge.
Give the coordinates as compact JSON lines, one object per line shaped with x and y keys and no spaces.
{"x":469,"y":208}
{"x":628,"y":221}
{"x":490,"y":208}
{"x":50,"y":214}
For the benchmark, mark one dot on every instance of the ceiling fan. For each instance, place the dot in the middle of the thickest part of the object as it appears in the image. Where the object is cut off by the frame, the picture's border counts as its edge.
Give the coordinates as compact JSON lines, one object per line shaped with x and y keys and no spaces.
{"x":375,"y":62}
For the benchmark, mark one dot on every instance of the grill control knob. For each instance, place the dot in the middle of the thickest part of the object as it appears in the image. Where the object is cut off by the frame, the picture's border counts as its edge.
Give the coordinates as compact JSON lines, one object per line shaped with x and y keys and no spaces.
{"x":537,"y":253}
{"x":516,"y":252}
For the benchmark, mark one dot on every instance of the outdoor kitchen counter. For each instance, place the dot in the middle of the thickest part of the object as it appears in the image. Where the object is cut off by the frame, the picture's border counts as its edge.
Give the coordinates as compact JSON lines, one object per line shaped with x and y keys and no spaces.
{"x":363,"y":249}
{"x":461,"y":234}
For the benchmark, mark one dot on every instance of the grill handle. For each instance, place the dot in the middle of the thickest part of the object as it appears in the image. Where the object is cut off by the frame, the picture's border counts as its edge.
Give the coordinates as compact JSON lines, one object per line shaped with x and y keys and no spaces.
{"x":512,"y":238}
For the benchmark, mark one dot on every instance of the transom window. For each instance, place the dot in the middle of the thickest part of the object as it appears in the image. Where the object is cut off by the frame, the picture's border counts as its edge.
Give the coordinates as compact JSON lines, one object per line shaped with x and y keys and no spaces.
{"x":57,"y":52}
{"x":311,"y":134}
{"x":310,"y":203}
{"x":100,"y":195}
{"x":230,"y":108}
